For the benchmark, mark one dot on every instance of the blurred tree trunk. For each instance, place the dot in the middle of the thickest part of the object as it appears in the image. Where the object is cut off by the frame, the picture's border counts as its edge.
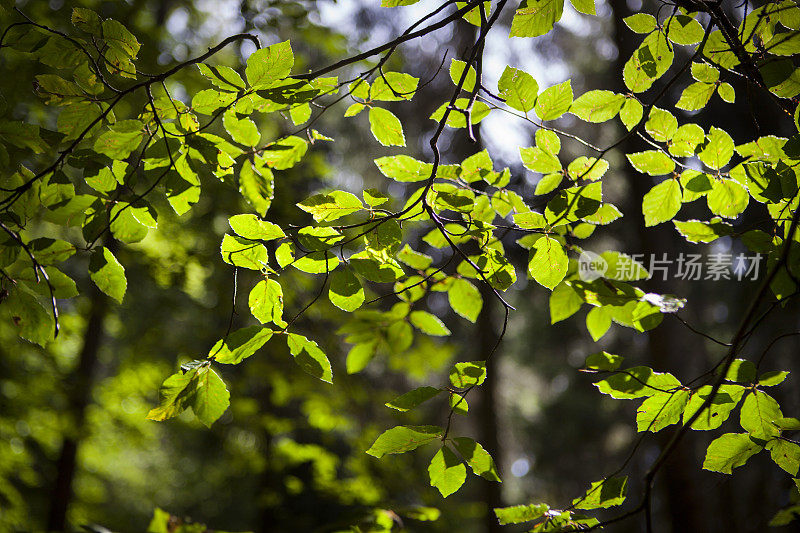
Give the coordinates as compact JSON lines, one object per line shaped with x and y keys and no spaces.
{"x":486,"y":337}
{"x":79,"y":391}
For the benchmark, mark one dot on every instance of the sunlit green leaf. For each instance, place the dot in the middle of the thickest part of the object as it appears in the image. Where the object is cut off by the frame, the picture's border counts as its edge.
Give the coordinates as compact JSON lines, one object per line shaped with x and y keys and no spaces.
{"x":730,"y":451}
{"x":447,"y":472}
{"x":401,"y":439}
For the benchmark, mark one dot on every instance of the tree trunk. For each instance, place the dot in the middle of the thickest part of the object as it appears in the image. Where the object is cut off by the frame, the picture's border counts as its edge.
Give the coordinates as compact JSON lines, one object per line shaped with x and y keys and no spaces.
{"x":79,"y":387}
{"x":488,"y":430}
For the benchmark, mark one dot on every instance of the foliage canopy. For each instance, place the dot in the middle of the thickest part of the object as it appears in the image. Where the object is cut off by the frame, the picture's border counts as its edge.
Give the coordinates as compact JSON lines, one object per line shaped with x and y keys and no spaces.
{"x":115,"y":152}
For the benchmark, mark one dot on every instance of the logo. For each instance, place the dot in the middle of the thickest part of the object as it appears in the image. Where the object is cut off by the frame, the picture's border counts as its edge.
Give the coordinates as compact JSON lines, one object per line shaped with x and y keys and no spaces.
{"x":591,"y":266}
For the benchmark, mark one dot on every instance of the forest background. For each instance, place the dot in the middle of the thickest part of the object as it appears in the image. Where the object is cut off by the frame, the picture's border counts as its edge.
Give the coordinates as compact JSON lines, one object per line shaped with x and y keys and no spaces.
{"x":288,"y":454}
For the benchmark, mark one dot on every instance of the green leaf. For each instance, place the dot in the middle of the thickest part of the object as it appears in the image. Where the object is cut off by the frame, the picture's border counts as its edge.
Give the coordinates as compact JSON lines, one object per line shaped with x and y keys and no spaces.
{"x":404,"y":168}
{"x":428,"y":324}
{"x":210,"y":398}
{"x":726,"y":399}
{"x":107,"y":273}
{"x":530,"y":220}
{"x":308,"y":356}
{"x":397,"y":3}
{"x":63,"y":287}
{"x":354,"y":109}
{"x":240,"y":345}
{"x":598,"y":321}
{"x":758,"y":411}
{"x":782,"y":78}
{"x":603,"y":361}
{"x":473,"y":16}
{"x":685,"y":140}
{"x":376,"y":265}
{"x":457,"y":71}
{"x":256,"y":186}
{"x":252,"y":227}
{"x":207,"y":101}
{"x":241,"y":130}
{"x":742,"y":371}
{"x":586,"y":7}
{"x":564,"y":302}
{"x":385,"y":237}
{"x":554,"y":101}
{"x":285,"y":153}
{"x":784,"y":44}
{"x":345,"y":291}
{"x":269,"y":64}
{"x":51,"y":251}
{"x":122,"y":138}
{"x":520,"y":513}
{"x":683,"y":29}
{"x":518,"y":88}
{"x":603,"y":494}
{"x":631,"y":113}
{"x":661,"y":125}
{"x":653,"y":162}
{"x":465,"y":299}
{"x":243,"y":253}
{"x":548,"y":262}
{"x":641,"y":22}
{"x":468,"y":374}
{"x":385,"y":87}
{"x":75,"y":118}
{"x":447,"y":472}
{"x":662,"y":202}
{"x":332,"y":206}
{"x":477,"y":458}
{"x":401,"y":439}
{"x":124,"y":226}
{"x":728,"y":198}
{"x":122,"y":47}
{"x":726,"y":92}
{"x":199,"y":388}
{"x":174,"y":395}
{"x":718,"y":149}
{"x":540,"y":160}
{"x":699,"y":231}
{"x":785,"y":454}
{"x":536,"y":17}
{"x":661,"y":410}
{"x":300,"y":113}
{"x":223,"y":77}
{"x":648,"y":63}
{"x":787,"y":424}
{"x":495,"y":267}
{"x":266,"y":302}
{"x":637,"y":382}
{"x":770,"y":379}
{"x":597,"y":106}
{"x":414,"y":259}
{"x":548,"y":183}
{"x":374,"y":198}
{"x":27,"y":314}
{"x":695,"y":96}
{"x":413,"y":398}
{"x":386,"y":127}
{"x":86,"y":20}
{"x":359,"y":356}
{"x":705,"y":73}
{"x":729,"y":451}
